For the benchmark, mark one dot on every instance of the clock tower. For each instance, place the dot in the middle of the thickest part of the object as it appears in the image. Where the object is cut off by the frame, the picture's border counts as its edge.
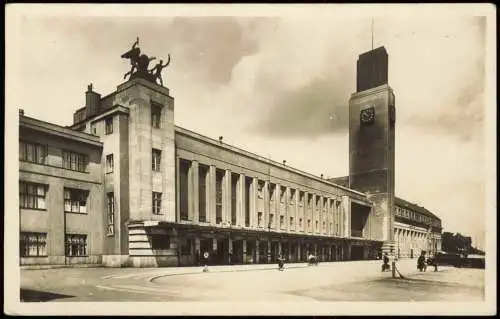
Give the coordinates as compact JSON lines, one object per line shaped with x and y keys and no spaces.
{"x":371,"y":142}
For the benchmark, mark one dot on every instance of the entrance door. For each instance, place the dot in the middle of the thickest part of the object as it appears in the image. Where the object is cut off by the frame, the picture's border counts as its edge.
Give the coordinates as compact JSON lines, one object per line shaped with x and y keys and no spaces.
{"x":274,"y":251}
{"x":262,"y":252}
{"x":357,"y":252}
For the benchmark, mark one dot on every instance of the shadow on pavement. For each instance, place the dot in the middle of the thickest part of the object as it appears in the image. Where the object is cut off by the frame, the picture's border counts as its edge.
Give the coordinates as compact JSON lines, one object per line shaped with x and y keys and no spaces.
{"x":29,"y":295}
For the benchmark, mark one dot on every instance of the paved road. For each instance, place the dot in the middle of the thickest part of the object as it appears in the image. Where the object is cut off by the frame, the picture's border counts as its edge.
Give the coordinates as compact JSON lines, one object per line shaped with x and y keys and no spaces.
{"x":340,"y":281}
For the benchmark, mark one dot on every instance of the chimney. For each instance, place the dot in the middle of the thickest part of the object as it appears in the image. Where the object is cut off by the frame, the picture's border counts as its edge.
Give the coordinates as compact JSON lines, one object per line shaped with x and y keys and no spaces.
{"x":321,"y":176}
{"x":284,"y":162}
{"x":21,"y":112}
{"x":220,"y":139}
{"x":92,"y":101}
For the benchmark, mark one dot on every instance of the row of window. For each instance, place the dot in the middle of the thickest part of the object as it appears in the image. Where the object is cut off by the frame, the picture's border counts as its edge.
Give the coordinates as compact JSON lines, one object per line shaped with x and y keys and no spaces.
{"x":156,"y":159}
{"x":35,"y":245}
{"x":37,"y":153}
{"x":402,"y":212}
{"x":155,"y":120}
{"x":34,"y":196}
{"x":289,"y":197}
{"x":300,"y":226}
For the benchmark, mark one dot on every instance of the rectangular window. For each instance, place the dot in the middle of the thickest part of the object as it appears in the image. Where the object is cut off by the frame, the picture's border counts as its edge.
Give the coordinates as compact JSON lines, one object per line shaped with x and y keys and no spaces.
{"x":32,"y":152}
{"x":76,"y":245}
{"x":156,"y":158}
{"x":272,"y":187}
{"x":260,"y":189}
{"x":75,"y":200}
{"x":184,"y":167}
{"x":74,"y":161}
{"x":292,"y":196}
{"x":33,"y":244}
{"x":282,"y":194}
{"x":309,"y":225}
{"x":259,"y":219}
{"x":291,"y":222}
{"x":32,"y":195}
{"x":300,"y":223}
{"x":109,"y":125}
{"x":110,"y":164}
{"x":156,"y":203}
{"x":155,"y":115}
{"x":309,"y":200}
{"x":324,"y":226}
{"x":234,"y":193}
{"x":160,"y":241}
{"x":282,"y":221}
{"x":93,"y":129}
{"x":271,"y":221}
{"x":317,"y":229}
{"x":111,"y":213}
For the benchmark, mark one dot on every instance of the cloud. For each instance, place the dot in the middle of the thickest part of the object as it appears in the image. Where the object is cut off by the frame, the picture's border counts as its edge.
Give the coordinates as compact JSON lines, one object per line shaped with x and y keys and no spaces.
{"x":317,"y":108}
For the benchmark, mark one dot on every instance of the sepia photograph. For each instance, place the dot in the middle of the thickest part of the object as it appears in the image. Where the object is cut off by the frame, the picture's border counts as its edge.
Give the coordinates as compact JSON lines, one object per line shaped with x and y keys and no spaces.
{"x":250,"y":159}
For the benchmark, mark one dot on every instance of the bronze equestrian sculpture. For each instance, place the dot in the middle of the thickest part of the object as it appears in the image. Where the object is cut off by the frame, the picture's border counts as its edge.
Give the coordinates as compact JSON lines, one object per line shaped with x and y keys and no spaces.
{"x":140,"y":63}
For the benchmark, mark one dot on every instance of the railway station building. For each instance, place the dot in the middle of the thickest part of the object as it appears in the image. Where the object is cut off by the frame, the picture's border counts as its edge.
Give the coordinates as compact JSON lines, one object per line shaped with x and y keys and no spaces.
{"x":124,"y":186}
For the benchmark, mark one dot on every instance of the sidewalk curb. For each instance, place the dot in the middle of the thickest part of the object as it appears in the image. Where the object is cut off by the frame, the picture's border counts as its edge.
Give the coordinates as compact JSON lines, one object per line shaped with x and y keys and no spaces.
{"x":151,"y":279}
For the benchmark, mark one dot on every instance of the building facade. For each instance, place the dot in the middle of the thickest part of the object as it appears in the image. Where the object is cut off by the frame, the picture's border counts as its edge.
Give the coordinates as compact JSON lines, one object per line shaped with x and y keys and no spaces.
{"x":124,"y":186}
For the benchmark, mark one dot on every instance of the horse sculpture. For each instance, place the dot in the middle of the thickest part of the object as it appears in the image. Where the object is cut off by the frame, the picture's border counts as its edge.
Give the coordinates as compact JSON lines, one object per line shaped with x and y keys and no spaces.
{"x":139,"y":63}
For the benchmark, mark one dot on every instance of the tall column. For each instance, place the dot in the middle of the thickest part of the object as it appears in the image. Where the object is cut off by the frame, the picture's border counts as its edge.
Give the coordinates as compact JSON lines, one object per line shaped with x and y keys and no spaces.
{"x":177,"y":191}
{"x":305,"y":211}
{"x":296,"y":211}
{"x":240,"y":200}
{"x":346,"y":216}
{"x":253,"y":203}
{"x":287,"y":208}
{"x":313,"y":214}
{"x":194,"y":199}
{"x":266,"y":204}
{"x":211,"y":194}
{"x":277,"y":209}
{"x":226,"y":193}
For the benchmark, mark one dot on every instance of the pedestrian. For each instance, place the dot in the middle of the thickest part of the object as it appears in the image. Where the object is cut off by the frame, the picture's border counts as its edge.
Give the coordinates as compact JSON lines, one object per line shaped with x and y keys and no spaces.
{"x":385,"y":264}
{"x":206,"y":255}
{"x":281,"y":263}
{"x":421,"y":262}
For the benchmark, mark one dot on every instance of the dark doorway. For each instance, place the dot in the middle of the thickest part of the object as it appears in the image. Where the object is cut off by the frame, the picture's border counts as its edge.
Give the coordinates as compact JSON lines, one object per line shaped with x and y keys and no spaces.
{"x":357,"y":252}
{"x":263,"y":252}
{"x":274,"y":251}
{"x":237,"y":257}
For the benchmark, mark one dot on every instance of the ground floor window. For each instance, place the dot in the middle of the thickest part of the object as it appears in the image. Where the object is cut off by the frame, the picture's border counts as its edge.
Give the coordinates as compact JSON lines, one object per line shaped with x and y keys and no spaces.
{"x":33,"y":244}
{"x":160,"y":241}
{"x":76,"y":245}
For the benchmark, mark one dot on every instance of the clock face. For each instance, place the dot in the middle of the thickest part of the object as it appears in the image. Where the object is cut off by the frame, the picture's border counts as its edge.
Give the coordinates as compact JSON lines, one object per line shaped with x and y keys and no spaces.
{"x":367,"y":115}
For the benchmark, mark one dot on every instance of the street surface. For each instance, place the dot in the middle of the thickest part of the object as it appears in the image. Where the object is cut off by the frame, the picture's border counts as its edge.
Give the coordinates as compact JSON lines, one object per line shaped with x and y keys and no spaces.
{"x":336,"y":281}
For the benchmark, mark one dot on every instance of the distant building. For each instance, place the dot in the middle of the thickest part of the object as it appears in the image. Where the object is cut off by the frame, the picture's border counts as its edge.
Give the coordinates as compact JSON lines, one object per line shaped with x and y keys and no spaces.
{"x":125,"y":186}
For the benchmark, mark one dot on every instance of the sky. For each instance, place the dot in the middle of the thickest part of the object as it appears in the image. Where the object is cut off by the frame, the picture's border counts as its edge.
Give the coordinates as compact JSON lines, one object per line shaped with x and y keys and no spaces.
{"x":279,"y":86}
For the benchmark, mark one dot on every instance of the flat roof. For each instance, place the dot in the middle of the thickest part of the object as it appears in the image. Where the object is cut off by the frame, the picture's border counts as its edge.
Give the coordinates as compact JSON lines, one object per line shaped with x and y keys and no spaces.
{"x":415,"y":207}
{"x":54,"y":129}
{"x":263,"y":159}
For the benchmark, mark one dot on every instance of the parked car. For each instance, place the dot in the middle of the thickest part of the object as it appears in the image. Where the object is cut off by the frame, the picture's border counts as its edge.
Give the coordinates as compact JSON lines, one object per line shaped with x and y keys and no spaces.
{"x":475,"y":261}
{"x":444,"y":258}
